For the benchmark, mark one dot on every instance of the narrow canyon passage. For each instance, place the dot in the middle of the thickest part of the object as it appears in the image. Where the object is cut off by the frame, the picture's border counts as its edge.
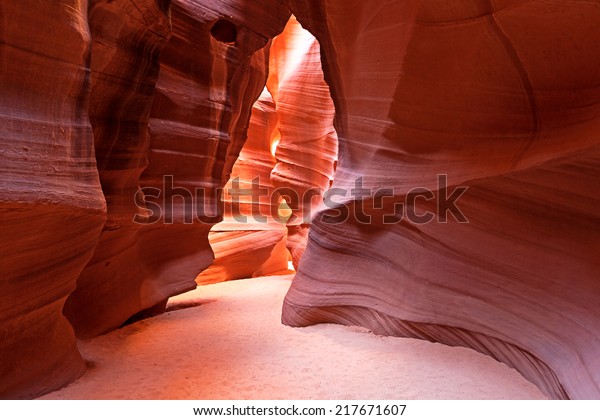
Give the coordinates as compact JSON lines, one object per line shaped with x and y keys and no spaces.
{"x":283,"y":170}
{"x":460,"y":143}
{"x":226,"y":341}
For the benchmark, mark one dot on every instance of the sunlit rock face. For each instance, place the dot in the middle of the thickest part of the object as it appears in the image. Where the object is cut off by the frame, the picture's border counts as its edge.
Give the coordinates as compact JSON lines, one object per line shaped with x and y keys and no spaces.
{"x":284,"y":167}
{"x":498,"y":98}
{"x":307,"y":143}
{"x":198,"y":125}
{"x":51,"y":205}
{"x":251,"y":240}
{"x":172,"y":90}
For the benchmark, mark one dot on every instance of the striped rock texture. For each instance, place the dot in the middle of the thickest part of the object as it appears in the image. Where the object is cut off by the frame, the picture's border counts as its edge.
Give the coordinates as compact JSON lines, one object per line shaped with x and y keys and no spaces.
{"x":198,"y":125}
{"x":170,"y":104}
{"x":250,"y":241}
{"x":290,"y":154}
{"x":307,"y":143}
{"x":496,"y":96}
{"x":51,"y":204}
{"x":170,"y":88}
{"x":111,"y":110}
{"x":127,"y":38}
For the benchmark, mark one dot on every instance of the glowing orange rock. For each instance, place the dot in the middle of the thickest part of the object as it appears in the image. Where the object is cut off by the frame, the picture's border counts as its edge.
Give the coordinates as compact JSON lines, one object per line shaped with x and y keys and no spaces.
{"x":250,"y":241}
{"x":307,"y":147}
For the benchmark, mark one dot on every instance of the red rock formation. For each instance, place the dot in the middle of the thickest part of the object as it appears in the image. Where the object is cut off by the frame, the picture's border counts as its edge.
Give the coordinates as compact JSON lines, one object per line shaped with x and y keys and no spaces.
{"x":297,"y":236}
{"x":53,"y":207}
{"x":298,"y":130}
{"x":196,"y":110}
{"x":198,"y":126}
{"x":51,"y":204}
{"x":127,"y":38}
{"x":496,"y":96}
{"x":501,"y":97}
{"x":307,"y":147}
{"x":250,"y":241}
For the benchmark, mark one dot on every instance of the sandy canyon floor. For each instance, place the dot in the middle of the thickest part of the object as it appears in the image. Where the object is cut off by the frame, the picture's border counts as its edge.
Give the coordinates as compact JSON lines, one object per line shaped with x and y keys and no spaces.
{"x":226,"y":341}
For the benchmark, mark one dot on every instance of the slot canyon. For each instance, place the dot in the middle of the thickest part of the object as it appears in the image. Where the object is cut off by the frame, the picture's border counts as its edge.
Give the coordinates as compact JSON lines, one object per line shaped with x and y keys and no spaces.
{"x":344,"y":174}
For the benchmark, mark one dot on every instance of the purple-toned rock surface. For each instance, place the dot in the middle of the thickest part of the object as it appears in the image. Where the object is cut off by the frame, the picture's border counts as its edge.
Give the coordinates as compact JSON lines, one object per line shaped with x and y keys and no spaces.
{"x":498,"y":98}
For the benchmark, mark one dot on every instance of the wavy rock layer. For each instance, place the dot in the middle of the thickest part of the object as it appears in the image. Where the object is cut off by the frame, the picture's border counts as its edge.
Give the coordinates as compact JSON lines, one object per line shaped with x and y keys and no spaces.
{"x":51,"y":204}
{"x":307,"y":144}
{"x":496,"y":97}
{"x":289,"y":155}
{"x":198,"y":126}
{"x":166,"y":140}
{"x":250,"y":242}
{"x":196,"y":109}
{"x":127,"y":38}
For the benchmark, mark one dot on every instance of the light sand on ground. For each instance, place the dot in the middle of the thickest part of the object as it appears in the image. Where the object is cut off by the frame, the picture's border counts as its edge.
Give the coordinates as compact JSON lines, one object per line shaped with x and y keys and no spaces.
{"x":226,"y":341}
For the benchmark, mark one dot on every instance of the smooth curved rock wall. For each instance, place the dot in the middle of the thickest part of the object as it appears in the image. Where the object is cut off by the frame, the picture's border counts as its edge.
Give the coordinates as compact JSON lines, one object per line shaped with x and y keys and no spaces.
{"x":494,"y":96}
{"x":51,"y":205}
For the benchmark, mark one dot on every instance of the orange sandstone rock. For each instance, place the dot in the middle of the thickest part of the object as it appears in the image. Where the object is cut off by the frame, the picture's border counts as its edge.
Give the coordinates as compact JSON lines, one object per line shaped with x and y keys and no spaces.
{"x":307,"y":147}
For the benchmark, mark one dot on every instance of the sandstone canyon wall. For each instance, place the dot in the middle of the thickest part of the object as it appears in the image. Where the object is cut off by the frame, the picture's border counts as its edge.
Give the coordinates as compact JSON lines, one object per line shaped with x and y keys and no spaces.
{"x":250,"y":241}
{"x":169,"y":88}
{"x":289,"y":155}
{"x":167,"y":134}
{"x":307,"y":143}
{"x":127,"y":38}
{"x":51,"y":204}
{"x":496,"y":97}
{"x":501,"y":97}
